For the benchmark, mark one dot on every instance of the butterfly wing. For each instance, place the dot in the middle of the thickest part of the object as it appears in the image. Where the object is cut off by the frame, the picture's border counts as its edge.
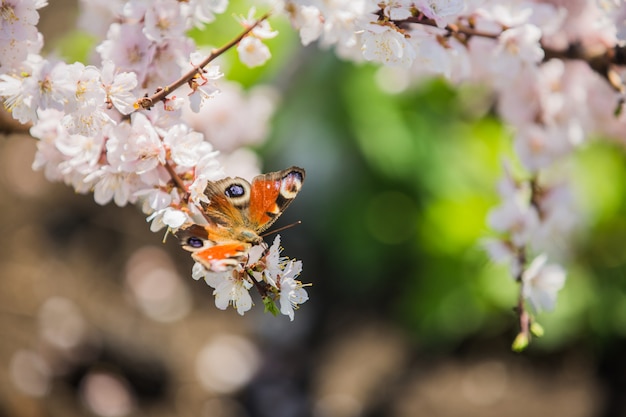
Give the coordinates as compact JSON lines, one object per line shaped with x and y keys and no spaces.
{"x":220,"y":243}
{"x":215,"y":252}
{"x":229,"y":199}
{"x":271,"y":194}
{"x":237,"y":212}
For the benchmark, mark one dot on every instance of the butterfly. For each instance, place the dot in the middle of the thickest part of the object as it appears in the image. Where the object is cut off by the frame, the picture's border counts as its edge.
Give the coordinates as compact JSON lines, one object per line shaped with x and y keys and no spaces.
{"x":237,"y":213}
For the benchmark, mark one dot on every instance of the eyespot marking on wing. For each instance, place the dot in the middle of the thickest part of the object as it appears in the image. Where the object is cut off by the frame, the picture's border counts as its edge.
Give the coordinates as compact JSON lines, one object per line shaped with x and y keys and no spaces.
{"x":237,"y":191}
{"x":234,"y":190}
{"x":291,"y":184}
{"x":195,"y":242}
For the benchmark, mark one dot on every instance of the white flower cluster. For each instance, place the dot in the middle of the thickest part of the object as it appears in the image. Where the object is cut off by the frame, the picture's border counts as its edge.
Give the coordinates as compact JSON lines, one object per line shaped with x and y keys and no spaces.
{"x":90,"y":135}
{"x":265,"y":267}
{"x":90,"y":121}
{"x":18,"y":31}
{"x":549,"y":65}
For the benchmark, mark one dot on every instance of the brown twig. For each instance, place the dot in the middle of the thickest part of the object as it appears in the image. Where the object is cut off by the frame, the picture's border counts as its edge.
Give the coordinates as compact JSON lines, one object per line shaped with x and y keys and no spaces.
{"x":147,"y":102}
{"x":451,"y":29}
{"x":520,"y":309}
{"x":177,"y":180}
{"x":601,"y":60}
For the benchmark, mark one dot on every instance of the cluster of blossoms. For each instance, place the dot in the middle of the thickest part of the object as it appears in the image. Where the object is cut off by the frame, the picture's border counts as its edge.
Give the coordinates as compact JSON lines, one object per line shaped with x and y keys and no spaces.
{"x":555,"y":68}
{"x":93,"y":128}
{"x":275,"y":276}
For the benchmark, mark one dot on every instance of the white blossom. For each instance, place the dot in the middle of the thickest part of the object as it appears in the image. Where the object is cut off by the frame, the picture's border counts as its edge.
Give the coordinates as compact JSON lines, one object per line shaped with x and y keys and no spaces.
{"x":229,"y":289}
{"x":387,"y":45}
{"x":542,"y":282}
{"x":292,"y":294}
{"x":253,"y":52}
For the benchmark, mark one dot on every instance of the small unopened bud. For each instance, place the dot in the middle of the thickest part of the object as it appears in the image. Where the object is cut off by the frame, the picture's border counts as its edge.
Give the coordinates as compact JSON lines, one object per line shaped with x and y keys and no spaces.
{"x":536,"y":329}
{"x":520,"y":343}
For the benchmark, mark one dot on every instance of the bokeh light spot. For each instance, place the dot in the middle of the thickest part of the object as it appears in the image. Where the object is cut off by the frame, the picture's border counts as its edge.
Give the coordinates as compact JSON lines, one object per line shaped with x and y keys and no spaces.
{"x":227,"y":363}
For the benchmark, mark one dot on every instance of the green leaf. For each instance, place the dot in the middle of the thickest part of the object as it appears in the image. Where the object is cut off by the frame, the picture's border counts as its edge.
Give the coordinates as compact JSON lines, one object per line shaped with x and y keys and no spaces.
{"x":270,"y":306}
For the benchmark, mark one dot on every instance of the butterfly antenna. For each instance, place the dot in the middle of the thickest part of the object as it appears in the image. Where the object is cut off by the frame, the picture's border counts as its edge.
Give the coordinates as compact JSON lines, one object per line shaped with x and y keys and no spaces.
{"x":280,"y":229}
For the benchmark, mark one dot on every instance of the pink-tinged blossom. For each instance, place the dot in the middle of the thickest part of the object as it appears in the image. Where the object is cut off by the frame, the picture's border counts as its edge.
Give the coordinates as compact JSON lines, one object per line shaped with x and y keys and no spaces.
{"x":232,"y":284}
{"x":196,"y":190}
{"x":167,"y":217}
{"x":203,"y":11}
{"x":134,"y":10}
{"x":18,"y":31}
{"x":208,"y":167}
{"x":280,"y":273}
{"x":253,"y":52}
{"x":82,"y":153}
{"x":48,"y":157}
{"x":493,"y":15}
{"x":339,"y":20}
{"x":17,"y":99}
{"x":230,"y":288}
{"x":273,"y":260}
{"x":515,"y":217}
{"x":308,"y":20}
{"x":86,"y":85}
{"x":517,"y":48}
{"x":236,"y":117}
{"x":153,"y":196}
{"x":163,"y":20}
{"x":262,"y":30}
{"x":86,"y":112}
{"x":292,"y":293}
{"x":430,"y":56}
{"x":136,"y":146}
{"x":112,"y":184}
{"x":186,"y":146}
{"x":203,"y":86}
{"x":96,"y":16}
{"x":441,"y":11}
{"x":119,"y":87}
{"x":16,"y":16}
{"x":585,"y":23}
{"x":164,"y":115}
{"x":14,"y":53}
{"x":170,"y":56}
{"x":385,"y":44}
{"x":397,"y":9}
{"x":129,"y":49}
{"x":41,"y":84}
{"x":539,"y":147}
{"x":520,"y":103}
{"x":541,"y":283}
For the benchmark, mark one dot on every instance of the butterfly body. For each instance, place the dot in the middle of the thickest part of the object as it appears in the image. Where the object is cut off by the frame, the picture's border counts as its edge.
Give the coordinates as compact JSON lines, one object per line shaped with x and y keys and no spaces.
{"x":237,"y":213}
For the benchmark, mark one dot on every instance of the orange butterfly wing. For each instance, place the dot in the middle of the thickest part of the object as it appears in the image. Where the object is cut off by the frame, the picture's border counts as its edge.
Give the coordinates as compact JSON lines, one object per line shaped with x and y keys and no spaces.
{"x":271,"y":194}
{"x":237,"y":212}
{"x":215,"y":253}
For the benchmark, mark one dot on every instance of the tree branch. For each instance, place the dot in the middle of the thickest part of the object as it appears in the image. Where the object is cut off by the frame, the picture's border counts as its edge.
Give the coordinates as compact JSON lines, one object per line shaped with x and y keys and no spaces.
{"x":601,"y":60}
{"x":148,"y":102}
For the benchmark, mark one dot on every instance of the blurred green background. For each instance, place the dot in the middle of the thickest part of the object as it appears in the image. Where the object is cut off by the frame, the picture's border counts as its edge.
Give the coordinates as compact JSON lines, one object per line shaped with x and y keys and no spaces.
{"x":407,"y":315}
